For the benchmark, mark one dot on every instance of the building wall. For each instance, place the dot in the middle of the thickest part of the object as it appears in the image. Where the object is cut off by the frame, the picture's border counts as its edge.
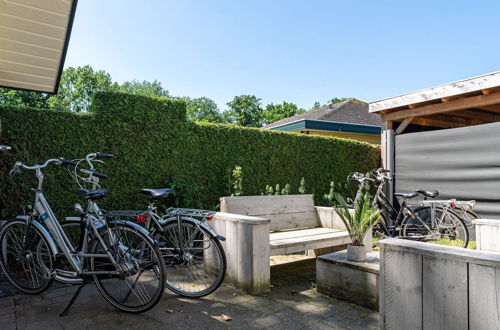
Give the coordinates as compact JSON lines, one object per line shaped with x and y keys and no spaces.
{"x":370,"y":138}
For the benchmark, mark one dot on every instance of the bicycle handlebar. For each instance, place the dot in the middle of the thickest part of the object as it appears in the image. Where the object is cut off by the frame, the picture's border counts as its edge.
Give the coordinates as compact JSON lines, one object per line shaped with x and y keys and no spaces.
{"x":104,"y":155}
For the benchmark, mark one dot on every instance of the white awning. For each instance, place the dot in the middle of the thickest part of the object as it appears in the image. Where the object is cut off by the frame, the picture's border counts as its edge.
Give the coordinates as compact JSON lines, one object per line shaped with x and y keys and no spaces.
{"x":470,"y":85}
{"x":34,"y":36}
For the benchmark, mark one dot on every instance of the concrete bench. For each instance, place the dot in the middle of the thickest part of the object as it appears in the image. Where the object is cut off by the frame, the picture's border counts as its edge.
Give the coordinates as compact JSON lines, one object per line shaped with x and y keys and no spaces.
{"x":257,"y":227}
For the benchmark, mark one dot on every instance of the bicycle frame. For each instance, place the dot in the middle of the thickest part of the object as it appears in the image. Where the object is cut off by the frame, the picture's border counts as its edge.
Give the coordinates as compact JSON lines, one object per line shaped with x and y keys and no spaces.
{"x":58,"y":239}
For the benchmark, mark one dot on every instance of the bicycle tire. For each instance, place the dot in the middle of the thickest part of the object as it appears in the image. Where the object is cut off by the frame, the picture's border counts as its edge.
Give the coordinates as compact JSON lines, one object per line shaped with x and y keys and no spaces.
{"x":178,"y":267}
{"x":410,"y":229}
{"x":128,"y":259}
{"x":48,"y":262}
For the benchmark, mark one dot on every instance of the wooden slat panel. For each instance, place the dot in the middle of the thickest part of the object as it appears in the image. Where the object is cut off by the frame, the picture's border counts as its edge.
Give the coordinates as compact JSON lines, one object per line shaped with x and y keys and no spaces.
{"x":33,"y":27}
{"x":307,"y":239}
{"x":301,"y":233}
{"x":25,"y":85}
{"x":295,"y":237}
{"x":484,"y":297}
{"x":29,"y":49}
{"x":57,"y":6}
{"x":285,"y":212}
{"x":260,"y":205}
{"x":29,"y":59}
{"x":292,"y":220}
{"x":18,"y":67}
{"x":35,"y":14}
{"x":29,"y":38}
{"x":461,"y":104}
{"x":23,"y":77}
{"x":402,"y":290}
{"x":444,"y":293}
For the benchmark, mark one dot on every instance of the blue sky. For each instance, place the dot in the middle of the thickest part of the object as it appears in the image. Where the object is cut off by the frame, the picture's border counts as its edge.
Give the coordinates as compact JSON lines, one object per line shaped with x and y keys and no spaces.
{"x":287,"y":50}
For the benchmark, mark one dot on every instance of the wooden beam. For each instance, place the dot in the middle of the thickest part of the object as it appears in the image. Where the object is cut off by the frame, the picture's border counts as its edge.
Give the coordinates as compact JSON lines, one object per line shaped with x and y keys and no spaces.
{"x":485,"y":91}
{"x":459,"y":120}
{"x":454,"y":105}
{"x":493,"y":108}
{"x":476,"y":114}
{"x":403,"y":125}
{"x":426,"y":121}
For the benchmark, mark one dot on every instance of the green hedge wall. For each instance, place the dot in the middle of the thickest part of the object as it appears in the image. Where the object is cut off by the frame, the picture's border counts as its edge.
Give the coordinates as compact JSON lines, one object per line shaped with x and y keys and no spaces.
{"x":155,"y":146}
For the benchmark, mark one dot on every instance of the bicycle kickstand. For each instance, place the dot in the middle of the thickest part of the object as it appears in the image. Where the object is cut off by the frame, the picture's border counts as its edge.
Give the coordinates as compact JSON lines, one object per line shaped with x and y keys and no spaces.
{"x":66,"y":310}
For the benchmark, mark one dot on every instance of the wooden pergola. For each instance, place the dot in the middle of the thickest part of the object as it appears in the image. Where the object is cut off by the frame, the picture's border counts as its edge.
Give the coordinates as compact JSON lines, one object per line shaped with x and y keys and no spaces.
{"x":468,"y":102}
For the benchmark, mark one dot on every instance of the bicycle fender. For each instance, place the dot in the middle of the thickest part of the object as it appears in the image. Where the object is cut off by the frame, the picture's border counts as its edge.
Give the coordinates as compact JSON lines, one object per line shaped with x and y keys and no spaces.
{"x":135,"y":226}
{"x":44,"y":231}
{"x":200,"y":223}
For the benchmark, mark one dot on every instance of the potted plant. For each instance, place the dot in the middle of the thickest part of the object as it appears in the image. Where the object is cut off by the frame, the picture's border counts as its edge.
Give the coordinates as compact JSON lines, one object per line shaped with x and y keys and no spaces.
{"x":357,"y":223}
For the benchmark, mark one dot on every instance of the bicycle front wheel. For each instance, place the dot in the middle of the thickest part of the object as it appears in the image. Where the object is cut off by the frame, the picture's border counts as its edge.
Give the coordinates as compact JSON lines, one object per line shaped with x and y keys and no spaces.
{"x":140,"y":283}
{"x":195,"y":260}
{"x":28,"y":266}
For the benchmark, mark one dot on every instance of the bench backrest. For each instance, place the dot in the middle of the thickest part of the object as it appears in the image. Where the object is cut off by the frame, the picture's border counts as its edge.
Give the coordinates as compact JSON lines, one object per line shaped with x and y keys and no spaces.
{"x":284,"y":211}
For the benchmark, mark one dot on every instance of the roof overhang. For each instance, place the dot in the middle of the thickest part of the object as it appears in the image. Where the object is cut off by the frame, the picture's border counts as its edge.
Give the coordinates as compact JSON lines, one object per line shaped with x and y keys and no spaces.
{"x":490,"y":80}
{"x":467,"y":102}
{"x":326,"y":125}
{"x":34,"y":37}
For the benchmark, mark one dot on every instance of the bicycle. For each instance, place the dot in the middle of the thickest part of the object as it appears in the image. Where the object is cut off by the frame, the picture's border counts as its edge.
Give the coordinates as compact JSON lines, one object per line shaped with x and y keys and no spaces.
{"x":194,"y":257}
{"x":119,"y":256}
{"x":406,"y":222}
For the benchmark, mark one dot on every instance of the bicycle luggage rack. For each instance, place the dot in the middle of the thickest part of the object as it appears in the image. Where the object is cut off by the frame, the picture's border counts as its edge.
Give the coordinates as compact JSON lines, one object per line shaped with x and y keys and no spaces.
{"x":195,"y":213}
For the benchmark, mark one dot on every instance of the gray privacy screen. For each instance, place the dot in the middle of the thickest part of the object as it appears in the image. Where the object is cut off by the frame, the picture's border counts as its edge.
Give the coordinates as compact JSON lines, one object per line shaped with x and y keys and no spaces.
{"x":462,"y":163}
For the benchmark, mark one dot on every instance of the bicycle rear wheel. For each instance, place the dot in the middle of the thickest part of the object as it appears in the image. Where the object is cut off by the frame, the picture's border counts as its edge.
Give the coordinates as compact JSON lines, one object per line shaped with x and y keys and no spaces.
{"x":29,"y":268}
{"x":448,"y":228}
{"x":198,"y":267}
{"x":140,"y":284}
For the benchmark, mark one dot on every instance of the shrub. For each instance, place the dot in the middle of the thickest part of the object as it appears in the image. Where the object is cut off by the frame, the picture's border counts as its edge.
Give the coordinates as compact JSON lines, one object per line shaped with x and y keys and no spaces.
{"x":155,"y":146}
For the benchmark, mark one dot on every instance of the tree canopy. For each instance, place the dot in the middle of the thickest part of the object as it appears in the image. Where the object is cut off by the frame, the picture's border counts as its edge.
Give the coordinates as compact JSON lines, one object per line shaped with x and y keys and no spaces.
{"x":203,"y":109}
{"x":275,"y":112}
{"x":245,"y":110}
{"x":79,"y":85}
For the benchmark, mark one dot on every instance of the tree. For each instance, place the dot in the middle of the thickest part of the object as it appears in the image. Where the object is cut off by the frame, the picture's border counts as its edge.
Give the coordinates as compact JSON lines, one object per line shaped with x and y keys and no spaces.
{"x":24,"y":98}
{"x":78,"y":86}
{"x":203,"y":109}
{"x":338,"y":99}
{"x":144,"y":88}
{"x":244,"y":110}
{"x":275,"y":112}
{"x":316,"y":105}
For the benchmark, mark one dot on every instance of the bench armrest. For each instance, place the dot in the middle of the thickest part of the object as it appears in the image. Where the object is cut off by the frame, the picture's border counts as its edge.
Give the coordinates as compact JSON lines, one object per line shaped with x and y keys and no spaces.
{"x":247,"y":250}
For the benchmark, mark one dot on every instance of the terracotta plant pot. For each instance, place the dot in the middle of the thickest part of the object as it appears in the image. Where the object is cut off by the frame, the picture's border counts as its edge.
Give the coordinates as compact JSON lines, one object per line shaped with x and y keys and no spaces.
{"x":356,"y":253}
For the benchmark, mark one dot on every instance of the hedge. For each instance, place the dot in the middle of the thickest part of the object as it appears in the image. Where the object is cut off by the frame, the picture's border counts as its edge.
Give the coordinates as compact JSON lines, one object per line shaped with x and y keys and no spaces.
{"x":155,"y":146}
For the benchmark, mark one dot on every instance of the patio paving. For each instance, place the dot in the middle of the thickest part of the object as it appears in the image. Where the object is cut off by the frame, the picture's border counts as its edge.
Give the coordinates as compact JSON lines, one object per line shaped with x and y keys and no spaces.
{"x":292,"y":304}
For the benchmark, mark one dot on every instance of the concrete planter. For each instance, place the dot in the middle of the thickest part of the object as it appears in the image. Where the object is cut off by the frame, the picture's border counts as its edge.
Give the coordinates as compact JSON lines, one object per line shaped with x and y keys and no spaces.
{"x":487,"y":234}
{"x":356,"y":253}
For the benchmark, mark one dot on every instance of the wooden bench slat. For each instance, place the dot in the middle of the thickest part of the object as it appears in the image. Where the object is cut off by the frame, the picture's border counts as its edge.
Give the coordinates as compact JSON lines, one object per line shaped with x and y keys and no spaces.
{"x":296,"y":239}
{"x":300,"y":233}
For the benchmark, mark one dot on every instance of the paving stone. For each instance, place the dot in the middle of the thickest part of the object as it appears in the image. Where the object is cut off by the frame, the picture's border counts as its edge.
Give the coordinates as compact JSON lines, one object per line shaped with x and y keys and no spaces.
{"x":291,"y":304}
{"x":268,"y":321}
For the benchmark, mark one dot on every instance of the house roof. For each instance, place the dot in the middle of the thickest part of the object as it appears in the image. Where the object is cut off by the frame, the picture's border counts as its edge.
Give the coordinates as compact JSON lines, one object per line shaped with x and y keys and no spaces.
{"x":350,"y":111}
{"x":470,"y":85}
{"x":34,"y":37}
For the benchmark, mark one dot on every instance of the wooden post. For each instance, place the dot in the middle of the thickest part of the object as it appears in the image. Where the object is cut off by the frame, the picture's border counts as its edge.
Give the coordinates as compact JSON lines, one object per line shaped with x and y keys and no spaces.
{"x":388,"y":157}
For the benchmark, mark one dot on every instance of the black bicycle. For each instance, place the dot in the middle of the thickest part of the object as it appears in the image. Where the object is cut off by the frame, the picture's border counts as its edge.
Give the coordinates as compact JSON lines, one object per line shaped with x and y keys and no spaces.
{"x":401,"y":219}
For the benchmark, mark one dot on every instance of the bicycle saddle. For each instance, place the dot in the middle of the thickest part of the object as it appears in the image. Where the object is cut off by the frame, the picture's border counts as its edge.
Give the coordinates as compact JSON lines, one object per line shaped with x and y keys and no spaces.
{"x":428,"y":193}
{"x":407,"y":195}
{"x":156,"y":193}
{"x":92,"y":194}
